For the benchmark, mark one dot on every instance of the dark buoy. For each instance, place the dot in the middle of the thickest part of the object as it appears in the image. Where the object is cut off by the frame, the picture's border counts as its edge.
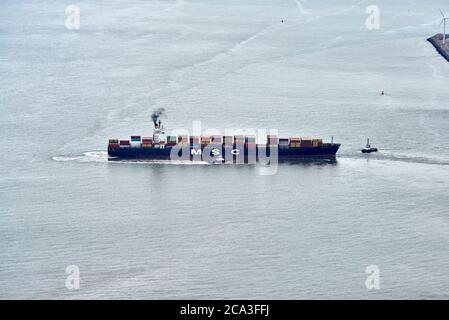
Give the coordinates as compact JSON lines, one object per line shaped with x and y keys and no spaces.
{"x":382,"y":93}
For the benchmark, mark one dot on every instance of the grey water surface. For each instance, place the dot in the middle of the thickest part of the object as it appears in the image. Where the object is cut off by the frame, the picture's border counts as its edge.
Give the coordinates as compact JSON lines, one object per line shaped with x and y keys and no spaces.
{"x":177,"y":230}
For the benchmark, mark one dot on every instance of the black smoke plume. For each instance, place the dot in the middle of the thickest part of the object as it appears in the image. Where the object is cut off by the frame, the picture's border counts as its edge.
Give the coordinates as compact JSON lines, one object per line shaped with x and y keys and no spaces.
{"x":159,"y":112}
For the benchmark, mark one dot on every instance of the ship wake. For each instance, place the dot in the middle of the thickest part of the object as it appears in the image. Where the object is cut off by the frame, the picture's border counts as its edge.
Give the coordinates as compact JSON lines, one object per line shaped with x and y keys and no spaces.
{"x":102,"y":157}
{"x":398,"y":157}
{"x":93,"y":156}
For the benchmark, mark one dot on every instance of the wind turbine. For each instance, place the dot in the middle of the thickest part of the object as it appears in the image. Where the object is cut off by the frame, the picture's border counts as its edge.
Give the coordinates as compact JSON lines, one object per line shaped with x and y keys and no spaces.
{"x":443,"y":21}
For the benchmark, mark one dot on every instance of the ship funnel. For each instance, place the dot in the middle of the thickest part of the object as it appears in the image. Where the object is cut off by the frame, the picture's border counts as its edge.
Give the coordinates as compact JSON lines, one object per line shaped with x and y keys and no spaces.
{"x":159,"y":112}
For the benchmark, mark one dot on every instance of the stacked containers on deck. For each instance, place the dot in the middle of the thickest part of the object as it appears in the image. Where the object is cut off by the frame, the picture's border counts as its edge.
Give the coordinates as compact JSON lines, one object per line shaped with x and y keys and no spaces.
{"x":283,"y":142}
{"x":306,"y":142}
{"x":250,"y":141}
{"x":295,"y":142}
{"x":113,"y":143}
{"x":171,"y":140}
{"x":317,"y":142}
{"x":239,"y":140}
{"x":124,"y":144}
{"x":183,"y":139}
{"x":272,"y":140}
{"x":217,"y":139}
{"x":205,"y":140}
{"x":147,"y":142}
{"x":195,"y":140}
{"x":135,"y":141}
{"x":228,"y":140}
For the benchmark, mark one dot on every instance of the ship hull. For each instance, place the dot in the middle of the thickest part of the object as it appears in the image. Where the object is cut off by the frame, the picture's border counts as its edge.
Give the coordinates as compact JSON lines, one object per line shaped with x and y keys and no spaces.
{"x":221,"y":153}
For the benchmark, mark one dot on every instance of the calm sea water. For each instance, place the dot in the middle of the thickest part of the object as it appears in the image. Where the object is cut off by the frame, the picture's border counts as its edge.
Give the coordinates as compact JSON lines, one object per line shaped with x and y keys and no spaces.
{"x":158,"y":230}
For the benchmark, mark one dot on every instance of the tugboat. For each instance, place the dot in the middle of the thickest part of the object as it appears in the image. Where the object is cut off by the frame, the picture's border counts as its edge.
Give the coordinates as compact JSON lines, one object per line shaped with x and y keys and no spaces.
{"x":368,"y":148}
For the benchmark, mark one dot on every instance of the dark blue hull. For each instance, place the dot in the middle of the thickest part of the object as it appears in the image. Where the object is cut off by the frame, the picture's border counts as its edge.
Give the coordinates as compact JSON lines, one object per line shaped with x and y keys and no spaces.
{"x":221,"y":153}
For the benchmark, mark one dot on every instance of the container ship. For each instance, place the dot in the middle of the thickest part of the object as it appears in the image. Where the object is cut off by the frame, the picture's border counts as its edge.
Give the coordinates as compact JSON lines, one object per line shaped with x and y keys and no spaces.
{"x":218,"y":148}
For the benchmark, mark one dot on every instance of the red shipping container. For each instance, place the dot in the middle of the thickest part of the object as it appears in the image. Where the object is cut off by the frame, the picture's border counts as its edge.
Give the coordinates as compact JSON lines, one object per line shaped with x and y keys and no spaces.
{"x":306,"y":143}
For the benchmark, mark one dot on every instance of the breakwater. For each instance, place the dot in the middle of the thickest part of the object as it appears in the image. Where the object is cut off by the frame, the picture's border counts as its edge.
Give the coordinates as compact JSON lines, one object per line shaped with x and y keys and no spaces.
{"x":442,"y":48}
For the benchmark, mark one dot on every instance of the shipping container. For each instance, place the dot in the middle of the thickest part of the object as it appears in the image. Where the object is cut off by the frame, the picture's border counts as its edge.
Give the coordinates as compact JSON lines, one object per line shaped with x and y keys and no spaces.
{"x":124,"y":143}
{"x":317,"y":142}
{"x":306,"y":142}
{"x":228,"y":140}
{"x":194,"y":140}
{"x":250,"y":139}
{"x":239,"y":139}
{"x":135,"y":138}
{"x":295,"y":145}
